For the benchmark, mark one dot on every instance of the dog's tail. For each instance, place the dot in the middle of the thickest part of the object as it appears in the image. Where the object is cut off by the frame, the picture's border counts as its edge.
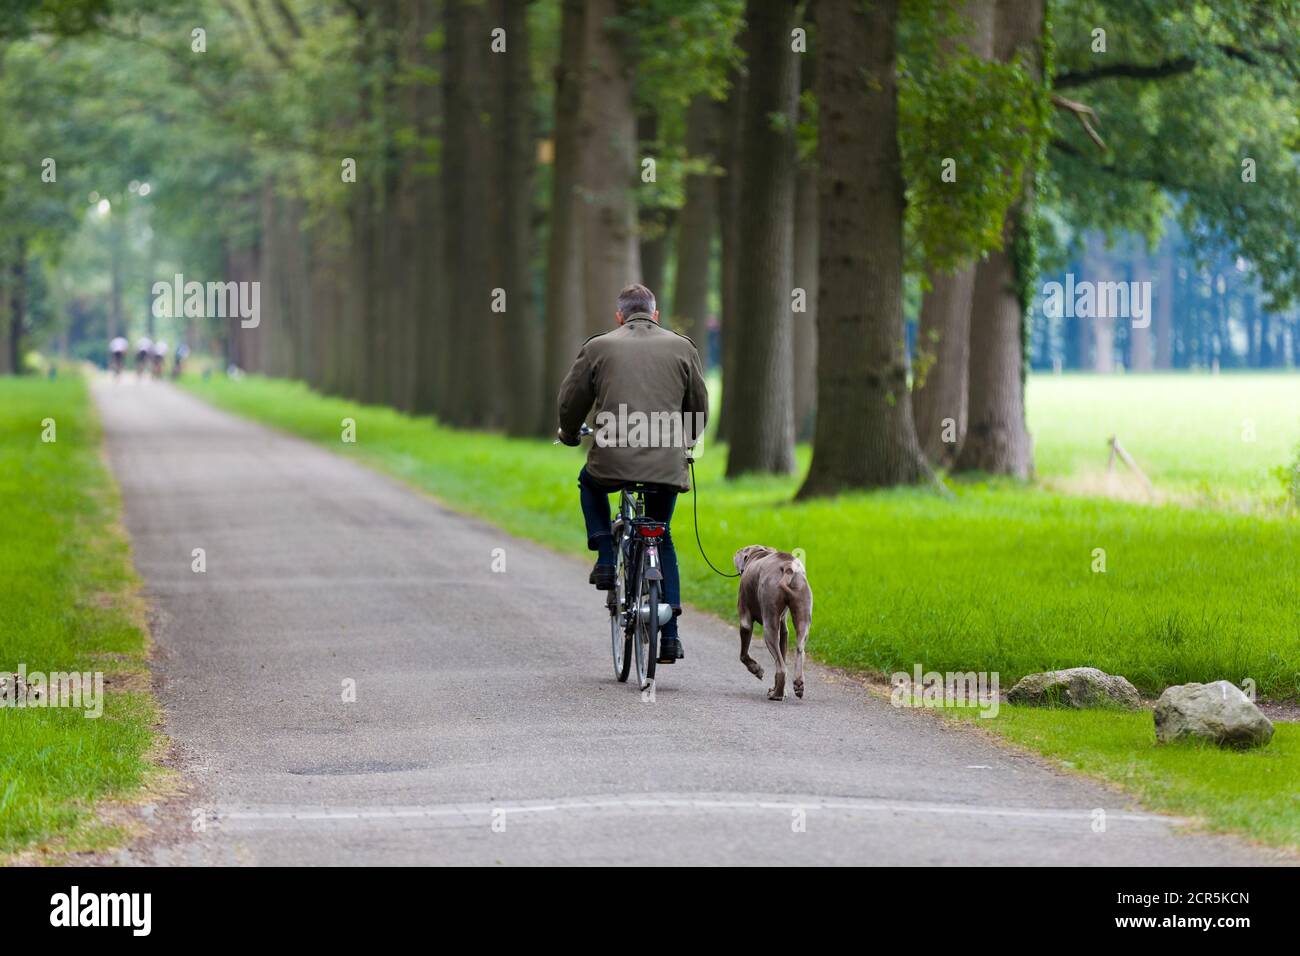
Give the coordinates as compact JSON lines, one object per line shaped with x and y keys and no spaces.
{"x":794,"y":571}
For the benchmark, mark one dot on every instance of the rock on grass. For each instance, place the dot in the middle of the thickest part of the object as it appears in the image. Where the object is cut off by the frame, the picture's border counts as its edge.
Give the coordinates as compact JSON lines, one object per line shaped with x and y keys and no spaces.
{"x":1218,"y":712}
{"x":1075,"y":687}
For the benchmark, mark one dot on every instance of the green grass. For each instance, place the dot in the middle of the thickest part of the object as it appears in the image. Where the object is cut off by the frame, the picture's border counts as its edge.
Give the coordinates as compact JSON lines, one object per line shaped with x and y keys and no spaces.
{"x":998,"y":578}
{"x":1199,"y":437}
{"x":67,"y":604}
{"x":1251,"y":792}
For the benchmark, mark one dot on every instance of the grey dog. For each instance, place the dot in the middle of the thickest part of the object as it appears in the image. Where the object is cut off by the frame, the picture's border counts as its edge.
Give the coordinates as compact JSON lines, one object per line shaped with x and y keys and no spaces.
{"x":771,"y":583}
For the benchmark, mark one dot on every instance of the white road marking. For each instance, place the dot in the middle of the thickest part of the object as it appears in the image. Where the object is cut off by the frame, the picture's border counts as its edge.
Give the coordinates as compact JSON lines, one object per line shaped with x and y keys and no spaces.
{"x":705,"y":803}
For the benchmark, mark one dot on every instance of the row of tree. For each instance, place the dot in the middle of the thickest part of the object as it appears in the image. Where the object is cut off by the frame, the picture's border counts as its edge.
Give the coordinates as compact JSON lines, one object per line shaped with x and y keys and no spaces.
{"x":441,"y":200}
{"x":1204,"y":314}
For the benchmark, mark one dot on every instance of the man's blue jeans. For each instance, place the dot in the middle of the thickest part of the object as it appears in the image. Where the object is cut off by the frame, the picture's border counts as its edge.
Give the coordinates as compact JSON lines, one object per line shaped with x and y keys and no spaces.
{"x":659,"y":505}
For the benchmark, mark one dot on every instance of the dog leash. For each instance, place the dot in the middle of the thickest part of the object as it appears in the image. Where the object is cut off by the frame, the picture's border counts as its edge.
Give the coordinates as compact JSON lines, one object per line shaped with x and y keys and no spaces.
{"x":695,"y":511}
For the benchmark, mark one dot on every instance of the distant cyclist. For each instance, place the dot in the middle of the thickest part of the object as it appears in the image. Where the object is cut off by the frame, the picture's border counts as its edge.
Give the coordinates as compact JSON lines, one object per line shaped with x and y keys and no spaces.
{"x":143,"y":355}
{"x":182,"y":353}
{"x":117,"y":355}
{"x":635,"y":372}
{"x":159,"y":358}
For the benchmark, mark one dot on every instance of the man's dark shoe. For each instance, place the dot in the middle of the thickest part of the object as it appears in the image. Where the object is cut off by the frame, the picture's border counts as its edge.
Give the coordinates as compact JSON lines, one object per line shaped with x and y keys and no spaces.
{"x":670,"y":649}
{"x":602,"y":575}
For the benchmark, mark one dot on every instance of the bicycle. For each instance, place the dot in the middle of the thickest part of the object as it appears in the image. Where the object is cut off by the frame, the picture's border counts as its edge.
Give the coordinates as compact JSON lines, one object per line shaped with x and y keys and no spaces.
{"x":634,"y":624}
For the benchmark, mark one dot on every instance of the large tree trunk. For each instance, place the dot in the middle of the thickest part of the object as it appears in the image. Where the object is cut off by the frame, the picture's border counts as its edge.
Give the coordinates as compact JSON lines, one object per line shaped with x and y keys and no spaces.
{"x":566,"y":321}
{"x":805,"y":322}
{"x":864,"y":435}
{"x":943,"y":333}
{"x":729,"y":193}
{"x":519,"y":338}
{"x":939,"y":402}
{"x":695,"y":229}
{"x":467,"y":166}
{"x":612,"y":255}
{"x":654,"y":223}
{"x":997,"y":440}
{"x":762,"y":437}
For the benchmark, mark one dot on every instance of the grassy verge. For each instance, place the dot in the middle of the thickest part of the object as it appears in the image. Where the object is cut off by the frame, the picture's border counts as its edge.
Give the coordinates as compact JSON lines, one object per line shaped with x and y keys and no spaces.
{"x":68,"y":604}
{"x":1252,"y":793}
{"x":999,"y":578}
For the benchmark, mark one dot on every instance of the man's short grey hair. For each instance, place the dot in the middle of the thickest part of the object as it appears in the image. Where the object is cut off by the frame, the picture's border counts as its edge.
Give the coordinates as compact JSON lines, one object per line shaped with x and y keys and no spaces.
{"x":636,"y":298}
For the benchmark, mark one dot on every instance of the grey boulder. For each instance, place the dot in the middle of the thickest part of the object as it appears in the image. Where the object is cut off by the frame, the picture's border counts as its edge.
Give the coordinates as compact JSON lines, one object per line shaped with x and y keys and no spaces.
{"x":1218,"y":712}
{"x":1075,"y":687}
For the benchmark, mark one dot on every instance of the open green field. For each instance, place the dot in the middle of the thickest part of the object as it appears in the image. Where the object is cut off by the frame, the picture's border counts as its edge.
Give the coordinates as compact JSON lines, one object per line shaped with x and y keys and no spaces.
{"x":998,"y":578}
{"x":1200,"y":438}
{"x":67,"y":604}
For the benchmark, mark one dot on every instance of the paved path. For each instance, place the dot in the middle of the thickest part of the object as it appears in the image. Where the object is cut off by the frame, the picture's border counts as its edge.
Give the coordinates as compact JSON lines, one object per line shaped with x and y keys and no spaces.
{"x":487,"y":726}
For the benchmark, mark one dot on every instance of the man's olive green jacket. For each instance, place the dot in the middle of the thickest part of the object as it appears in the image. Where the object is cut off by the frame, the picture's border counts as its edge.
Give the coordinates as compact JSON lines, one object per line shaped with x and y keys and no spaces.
{"x":650,"y":400}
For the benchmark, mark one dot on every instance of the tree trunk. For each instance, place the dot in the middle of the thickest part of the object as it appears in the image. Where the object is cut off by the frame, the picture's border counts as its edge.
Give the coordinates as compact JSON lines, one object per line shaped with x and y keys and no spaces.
{"x":695,"y":229}
{"x":997,"y":440}
{"x":1164,"y":307}
{"x":943,"y":332}
{"x":805,"y":322}
{"x":1103,"y":326}
{"x":654,"y":222}
{"x":566,"y":321}
{"x":1141,"y":358}
{"x":762,"y":437}
{"x":17,"y":305}
{"x":117,"y":236}
{"x":612,"y":256}
{"x":467,"y":166}
{"x":729,"y":193}
{"x":519,"y":338}
{"x":5,"y":368}
{"x":864,"y":435}
{"x":939,"y":402}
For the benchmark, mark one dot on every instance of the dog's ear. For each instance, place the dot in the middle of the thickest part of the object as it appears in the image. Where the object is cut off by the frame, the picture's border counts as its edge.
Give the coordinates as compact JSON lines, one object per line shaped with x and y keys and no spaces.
{"x":739,"y":559}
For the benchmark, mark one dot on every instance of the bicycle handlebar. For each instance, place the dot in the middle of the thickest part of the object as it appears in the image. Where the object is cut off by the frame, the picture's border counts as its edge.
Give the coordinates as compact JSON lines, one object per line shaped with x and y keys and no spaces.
{"x":583,"y":432}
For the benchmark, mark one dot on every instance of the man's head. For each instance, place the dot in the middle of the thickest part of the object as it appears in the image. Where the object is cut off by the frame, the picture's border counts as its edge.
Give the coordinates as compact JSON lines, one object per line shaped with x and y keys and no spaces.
{"x":633,"y":299}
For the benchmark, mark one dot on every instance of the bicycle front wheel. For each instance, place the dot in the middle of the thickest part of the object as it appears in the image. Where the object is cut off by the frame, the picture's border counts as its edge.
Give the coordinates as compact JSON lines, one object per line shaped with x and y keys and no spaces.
{"x":620,"y":640}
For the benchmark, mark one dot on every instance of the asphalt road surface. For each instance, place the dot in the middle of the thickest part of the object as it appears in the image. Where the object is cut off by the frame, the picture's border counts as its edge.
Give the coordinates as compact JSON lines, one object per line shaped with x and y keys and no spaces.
{"x":487,"y":727}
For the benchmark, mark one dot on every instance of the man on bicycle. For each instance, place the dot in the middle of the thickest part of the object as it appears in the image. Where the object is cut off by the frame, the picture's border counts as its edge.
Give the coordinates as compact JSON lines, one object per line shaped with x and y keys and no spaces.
{"x":641,"y":377}
{"x":117,"y":350}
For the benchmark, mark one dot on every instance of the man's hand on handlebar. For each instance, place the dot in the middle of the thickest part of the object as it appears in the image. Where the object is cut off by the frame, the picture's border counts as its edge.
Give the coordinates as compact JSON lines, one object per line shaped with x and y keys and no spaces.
{"x":562,"y":438}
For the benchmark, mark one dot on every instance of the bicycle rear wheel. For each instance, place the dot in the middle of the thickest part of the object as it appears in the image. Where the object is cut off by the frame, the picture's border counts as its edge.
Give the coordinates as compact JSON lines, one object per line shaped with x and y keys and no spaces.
{"x":646,"y":630}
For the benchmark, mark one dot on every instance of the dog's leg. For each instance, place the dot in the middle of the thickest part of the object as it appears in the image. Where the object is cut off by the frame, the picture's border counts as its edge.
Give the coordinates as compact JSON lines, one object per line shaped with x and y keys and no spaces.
{"x":747,"y":634}
{"x":785,"y":640}
{"x":802,"y":623}
{"x":772,"y":638}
